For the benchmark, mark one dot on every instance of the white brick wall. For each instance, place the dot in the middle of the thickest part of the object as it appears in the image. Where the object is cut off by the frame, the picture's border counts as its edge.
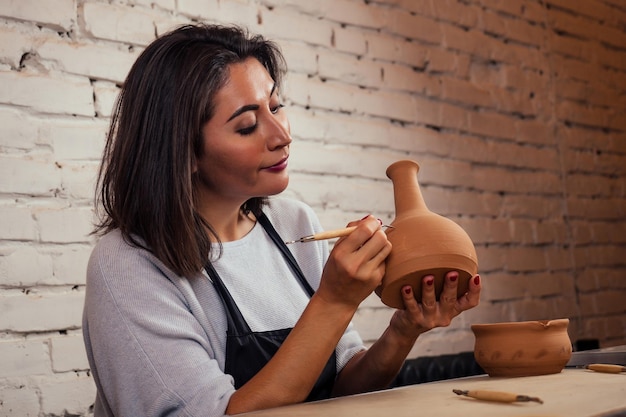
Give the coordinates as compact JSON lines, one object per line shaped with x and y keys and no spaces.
{"x":514,"y":109}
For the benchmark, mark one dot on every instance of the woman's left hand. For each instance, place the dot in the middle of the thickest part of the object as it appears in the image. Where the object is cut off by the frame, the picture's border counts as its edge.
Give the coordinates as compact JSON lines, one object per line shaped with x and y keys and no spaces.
{"x":417,"y":318}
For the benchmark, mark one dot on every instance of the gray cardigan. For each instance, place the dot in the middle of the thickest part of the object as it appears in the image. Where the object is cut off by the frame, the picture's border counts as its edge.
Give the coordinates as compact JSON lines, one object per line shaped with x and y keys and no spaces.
{"x":156,"y":341}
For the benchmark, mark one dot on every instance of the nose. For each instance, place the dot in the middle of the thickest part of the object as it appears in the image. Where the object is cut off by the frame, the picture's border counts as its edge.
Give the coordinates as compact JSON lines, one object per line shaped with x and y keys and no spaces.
{"x":279,"y":132}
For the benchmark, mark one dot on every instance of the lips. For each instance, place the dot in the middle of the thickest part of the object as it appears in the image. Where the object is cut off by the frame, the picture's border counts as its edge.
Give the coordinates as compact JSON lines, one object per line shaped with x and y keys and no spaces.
{"x":279,"y":166}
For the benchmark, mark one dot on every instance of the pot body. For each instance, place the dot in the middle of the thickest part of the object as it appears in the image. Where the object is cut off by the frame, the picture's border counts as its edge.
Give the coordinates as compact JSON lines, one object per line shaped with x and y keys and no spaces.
{"x":424,"y":243}
{"x":522,"y":348}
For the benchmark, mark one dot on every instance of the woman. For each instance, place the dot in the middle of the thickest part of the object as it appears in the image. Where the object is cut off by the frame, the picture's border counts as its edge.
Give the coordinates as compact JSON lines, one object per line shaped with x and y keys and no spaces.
{"x":194,"y":305}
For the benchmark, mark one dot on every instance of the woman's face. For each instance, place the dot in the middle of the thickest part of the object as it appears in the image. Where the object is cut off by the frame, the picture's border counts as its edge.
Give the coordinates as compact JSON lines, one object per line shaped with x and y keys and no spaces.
{"x":246,"y":142}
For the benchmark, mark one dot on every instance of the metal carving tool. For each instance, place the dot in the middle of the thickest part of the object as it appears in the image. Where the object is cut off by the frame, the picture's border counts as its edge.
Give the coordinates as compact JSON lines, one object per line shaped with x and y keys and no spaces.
{"x":497,"y":396}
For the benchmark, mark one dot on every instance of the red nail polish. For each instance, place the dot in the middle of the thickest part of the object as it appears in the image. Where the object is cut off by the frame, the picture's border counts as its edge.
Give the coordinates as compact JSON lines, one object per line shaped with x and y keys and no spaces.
{"x":430,"y":281}
{"x":453,"y":277}
{"x":477,"y":279}
{"x":407,"y":290}
{"x":380,"y":221}
{"x":366,"y":216}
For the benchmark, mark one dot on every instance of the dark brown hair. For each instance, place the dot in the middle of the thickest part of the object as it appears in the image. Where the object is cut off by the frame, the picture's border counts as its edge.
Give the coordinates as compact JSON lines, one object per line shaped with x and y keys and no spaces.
{"x":146,"y":182}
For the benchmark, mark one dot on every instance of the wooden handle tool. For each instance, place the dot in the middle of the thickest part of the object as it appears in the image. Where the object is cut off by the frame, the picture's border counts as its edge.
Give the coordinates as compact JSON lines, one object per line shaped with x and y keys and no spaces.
{"x":606,"y":368}
{"x":497,"y":396}
{"x":330,"y":234}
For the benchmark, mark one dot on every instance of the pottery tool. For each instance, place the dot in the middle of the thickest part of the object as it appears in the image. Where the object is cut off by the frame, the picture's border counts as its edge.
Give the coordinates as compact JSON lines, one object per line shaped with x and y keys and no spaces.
{"x":330,"y":234}
{"x":606,"y":368}
{"x":497,"y":396}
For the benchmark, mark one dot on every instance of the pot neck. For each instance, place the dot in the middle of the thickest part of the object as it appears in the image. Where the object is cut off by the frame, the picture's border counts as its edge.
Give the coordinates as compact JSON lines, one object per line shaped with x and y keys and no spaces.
{"x":406,"y":190}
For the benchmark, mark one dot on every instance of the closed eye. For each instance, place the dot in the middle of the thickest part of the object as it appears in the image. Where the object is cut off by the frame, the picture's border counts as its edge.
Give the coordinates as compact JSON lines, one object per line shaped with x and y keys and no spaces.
{"x":275,"y":110}
{"x":247,"y":130}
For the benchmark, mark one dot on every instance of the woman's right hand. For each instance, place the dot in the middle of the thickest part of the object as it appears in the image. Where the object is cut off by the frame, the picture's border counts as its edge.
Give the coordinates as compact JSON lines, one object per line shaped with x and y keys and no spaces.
{"x":356,"y":264}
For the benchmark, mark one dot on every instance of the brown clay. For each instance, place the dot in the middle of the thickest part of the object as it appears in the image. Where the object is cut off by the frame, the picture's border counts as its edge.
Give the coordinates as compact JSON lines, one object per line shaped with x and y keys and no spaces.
{"x":524,"y":348}
{"x":424,"y":243}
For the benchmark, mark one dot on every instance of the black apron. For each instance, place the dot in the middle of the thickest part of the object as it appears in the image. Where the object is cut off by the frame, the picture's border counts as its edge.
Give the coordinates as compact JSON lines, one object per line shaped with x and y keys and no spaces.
{"x":246,"y":351}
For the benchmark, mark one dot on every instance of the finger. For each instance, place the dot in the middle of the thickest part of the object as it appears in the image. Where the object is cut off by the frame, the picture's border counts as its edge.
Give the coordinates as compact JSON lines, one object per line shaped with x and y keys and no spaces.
{"x":448,"y":299}
{"x":366,"y":228}
{"x":472,"y":297}
{"x":429,"y":300}
{"x":410,"y":303}
{"x":377,"y":248}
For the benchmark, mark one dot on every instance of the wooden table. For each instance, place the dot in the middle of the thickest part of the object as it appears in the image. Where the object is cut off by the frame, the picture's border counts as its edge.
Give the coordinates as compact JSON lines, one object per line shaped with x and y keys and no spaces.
{"x":571,"y":393}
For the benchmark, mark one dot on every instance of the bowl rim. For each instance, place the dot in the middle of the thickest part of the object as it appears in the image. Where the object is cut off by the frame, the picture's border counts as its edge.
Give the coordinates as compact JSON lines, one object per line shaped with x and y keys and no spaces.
{"x":515,"y":324}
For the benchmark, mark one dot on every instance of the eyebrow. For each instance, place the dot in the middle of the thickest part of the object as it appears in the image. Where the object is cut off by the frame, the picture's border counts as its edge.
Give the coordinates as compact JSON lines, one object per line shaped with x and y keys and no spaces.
{"x":248,"y":107}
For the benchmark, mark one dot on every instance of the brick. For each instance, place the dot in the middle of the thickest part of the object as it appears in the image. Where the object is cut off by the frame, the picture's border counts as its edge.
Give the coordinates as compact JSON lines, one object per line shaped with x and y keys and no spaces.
{"x":446,"y":62}
{"x":26,"y":266}
{"x":330,"y":127}
{"x":65,"y":225}
{"x":15,"y":88}
{"x":38,"y":312}
{"x":75,"y":139}
{"x":337,"y":192}
{"x":78,"y":180}
{"x":163,"y":4}
{"x":585,"y":28}
{"x":19,"y":131}
{"x":522,"y":31}
{"x":609,"y":57}
{"x":14,"y":43}
{"x":425,"y":111}
{"x":94,"y":60}
{"x":56,"y":14}
{"x":453,"y":204}
{"x":592,"y":8}
{"x":70,"y":264}
{"x":553,"y":231}
{"x":332,"y":159}
{"x":492,"y":125}
{"x":589,"y":185}
{"x":482,"y":230}
{"x":119,"y":23}
{"x":612,"y":302}
{"x":605,"y":209}
{"x":19,"y":400}
{"x":68,"y":353}
{"x":67,"y":394}
{"x":469,"y":42}
{"x":300,"y":58}
{"x":349,"y":39}
{"x":525,"y":259}
{"x":17,"y":223}
{"x":535,"y":207}
{"x":283,"y":24}
{"x":608,"y":232}
{"x":24,"y":358}
{"x":348,"y":69}
{"x":464,"y":92}
{"x":28,"y":176}
{"x":396,"y":50}
{"x":415,"y":27}
{"x":571,"y":47}
{"x":533,"y":132}
{"x":465,"y":15}
{"x":361,"y":14}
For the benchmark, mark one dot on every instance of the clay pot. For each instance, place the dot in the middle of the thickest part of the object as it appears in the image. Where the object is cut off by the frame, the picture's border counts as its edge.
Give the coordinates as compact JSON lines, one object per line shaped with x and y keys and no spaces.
{"x":522,"y":348}
{"x":424,"y":243}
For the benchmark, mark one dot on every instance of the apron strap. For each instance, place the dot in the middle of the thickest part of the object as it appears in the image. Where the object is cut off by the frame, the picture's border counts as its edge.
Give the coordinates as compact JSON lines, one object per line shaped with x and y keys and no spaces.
{"x":234,"y":318}
{"x":280,"y":243}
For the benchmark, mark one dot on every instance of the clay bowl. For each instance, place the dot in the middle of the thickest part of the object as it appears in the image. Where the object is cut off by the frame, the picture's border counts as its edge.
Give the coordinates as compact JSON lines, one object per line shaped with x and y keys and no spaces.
{"x":523,"y":348}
